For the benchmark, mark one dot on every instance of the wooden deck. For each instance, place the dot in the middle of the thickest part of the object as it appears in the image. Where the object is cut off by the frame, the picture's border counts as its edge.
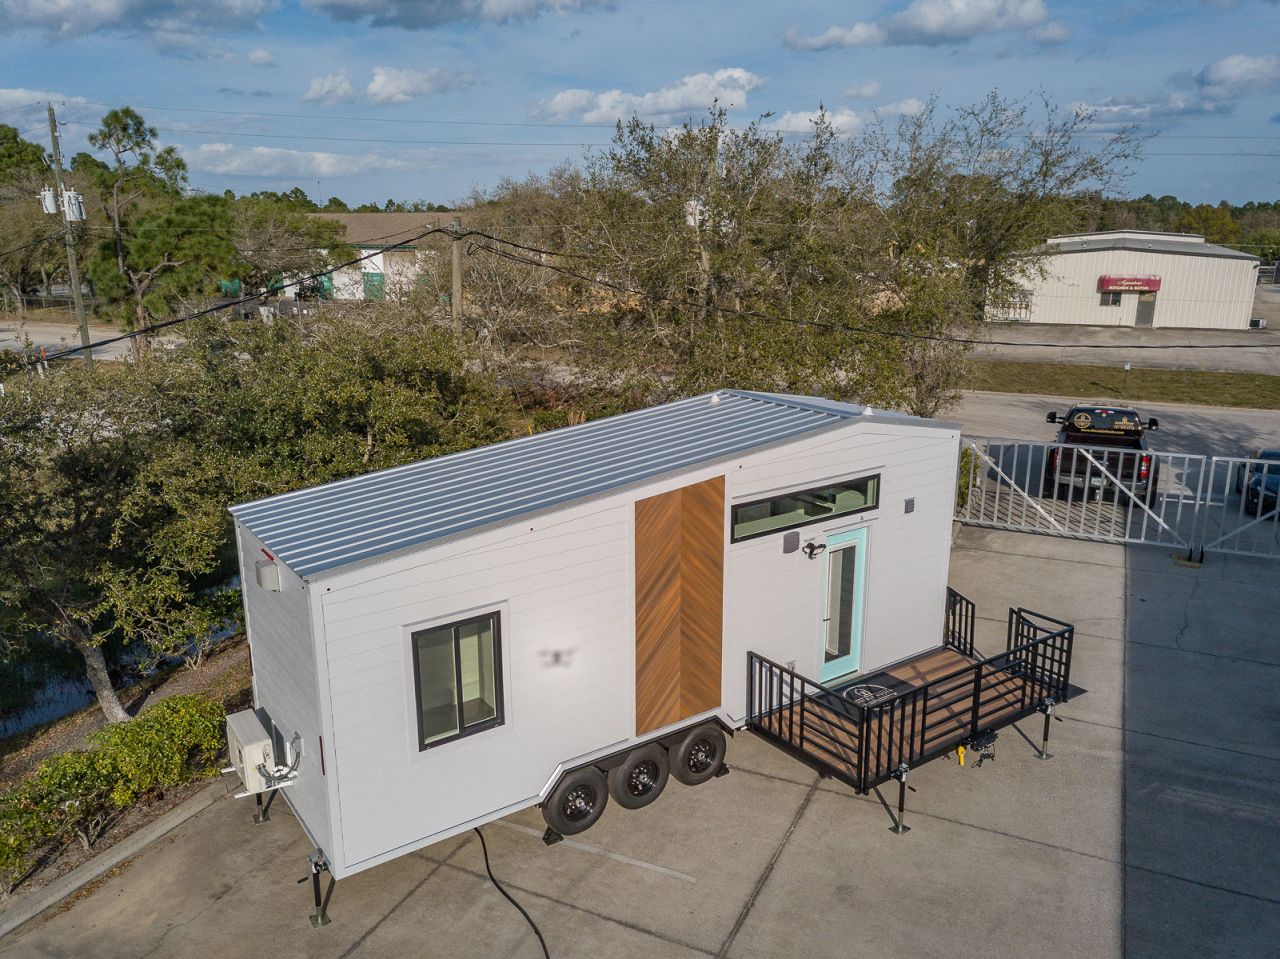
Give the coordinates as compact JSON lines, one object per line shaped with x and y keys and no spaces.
{"x":914,"y":726}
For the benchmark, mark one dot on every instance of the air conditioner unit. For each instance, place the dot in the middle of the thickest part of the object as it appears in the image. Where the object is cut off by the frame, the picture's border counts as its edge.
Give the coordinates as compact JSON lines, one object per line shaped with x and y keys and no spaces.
{"x":1258,"y":323}
{"x":249,"y":743}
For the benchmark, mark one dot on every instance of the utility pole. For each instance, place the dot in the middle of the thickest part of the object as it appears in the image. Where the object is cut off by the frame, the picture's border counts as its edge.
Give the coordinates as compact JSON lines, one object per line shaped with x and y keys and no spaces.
{"x":73,"y":266}
{"x":455,"y":297}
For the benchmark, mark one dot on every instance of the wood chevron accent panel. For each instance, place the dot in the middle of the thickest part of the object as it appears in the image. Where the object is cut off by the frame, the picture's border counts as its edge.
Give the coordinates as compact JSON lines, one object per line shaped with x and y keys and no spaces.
{"x":679,"y":603}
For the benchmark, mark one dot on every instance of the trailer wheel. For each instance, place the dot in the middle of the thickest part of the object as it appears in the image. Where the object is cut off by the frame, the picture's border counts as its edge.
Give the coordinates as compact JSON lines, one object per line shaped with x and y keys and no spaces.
{"x":698,"y":755}
{"x":641,"y":777}
{"x":577,"y":801}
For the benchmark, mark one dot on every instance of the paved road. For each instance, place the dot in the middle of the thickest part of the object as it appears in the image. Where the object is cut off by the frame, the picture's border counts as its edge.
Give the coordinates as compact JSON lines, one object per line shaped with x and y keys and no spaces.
{"x":1253,"y":351}
{"x":1211,"y":430}
{"x":58,"y":336}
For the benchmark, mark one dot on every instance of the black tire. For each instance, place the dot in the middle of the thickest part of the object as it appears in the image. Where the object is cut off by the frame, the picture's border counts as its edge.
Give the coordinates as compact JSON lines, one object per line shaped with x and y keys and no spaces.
{"x":577,"y":801}
{"x":641,"y":777}
{"x":1049,"y":489}
{"x":698,"y":755}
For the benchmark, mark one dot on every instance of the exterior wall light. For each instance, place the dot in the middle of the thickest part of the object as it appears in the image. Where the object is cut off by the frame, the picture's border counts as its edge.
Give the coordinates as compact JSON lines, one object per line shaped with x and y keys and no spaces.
{"x":813,"y":550}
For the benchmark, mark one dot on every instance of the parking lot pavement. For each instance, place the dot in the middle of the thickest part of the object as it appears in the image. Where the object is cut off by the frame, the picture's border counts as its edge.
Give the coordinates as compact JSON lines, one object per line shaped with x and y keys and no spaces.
{"x":1184,"y":428}
{"x":1151,"y":831}
{"x":1174,"y":349}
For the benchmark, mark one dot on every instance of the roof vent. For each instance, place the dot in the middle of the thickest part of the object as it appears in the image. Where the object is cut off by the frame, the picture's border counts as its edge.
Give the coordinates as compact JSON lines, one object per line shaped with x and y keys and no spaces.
{"x":715,"y":398}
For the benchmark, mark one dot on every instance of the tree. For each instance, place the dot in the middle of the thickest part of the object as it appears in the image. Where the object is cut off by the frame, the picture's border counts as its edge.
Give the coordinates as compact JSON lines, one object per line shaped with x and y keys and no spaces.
{"x":65,"y":470}
{"x":168,"y":253}
{"x":1214,"y":223}
{"x":19,"y":157}
{"x":138,"y":174}
{"x":274,"y":238}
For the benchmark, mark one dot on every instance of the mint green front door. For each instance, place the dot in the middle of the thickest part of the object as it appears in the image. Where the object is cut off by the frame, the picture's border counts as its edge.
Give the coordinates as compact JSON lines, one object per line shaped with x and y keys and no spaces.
{"x":846,"y":558}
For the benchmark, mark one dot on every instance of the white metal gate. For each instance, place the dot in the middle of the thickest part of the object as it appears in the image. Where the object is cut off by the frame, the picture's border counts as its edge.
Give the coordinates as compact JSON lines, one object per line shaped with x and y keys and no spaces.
{"x":1225,"y":504}
{"x":1240,"y":508}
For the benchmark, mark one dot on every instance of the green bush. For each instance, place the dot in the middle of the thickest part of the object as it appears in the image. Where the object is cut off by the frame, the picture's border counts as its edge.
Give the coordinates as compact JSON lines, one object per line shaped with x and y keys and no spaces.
{"x":77,"y":795}
{"x":175,"y":740}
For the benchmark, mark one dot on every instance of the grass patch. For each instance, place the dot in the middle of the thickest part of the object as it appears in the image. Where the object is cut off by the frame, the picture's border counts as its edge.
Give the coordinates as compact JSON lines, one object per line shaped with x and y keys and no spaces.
{"x":1250,"y":390}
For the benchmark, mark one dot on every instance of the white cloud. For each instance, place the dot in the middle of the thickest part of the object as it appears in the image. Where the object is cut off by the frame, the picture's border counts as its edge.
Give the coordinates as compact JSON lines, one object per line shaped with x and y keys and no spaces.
{"x":929,"y":23}
{"x":858,"y":35}
{"x":1211,"y":92}
{"x":13,"y":99}
{"x":1238,"y":74}
{"x":329,"y":89}
{"x":801,"y":121}
{"x":261,"y":58}
{"x":226,"y":159}
{"x":1121,"y":110}
{"x":68,"y":18}
{"x":864,"y":91}
{"x":695,"y":92}
{"x":394,"y":85}
{"x":427,"y":14}
{"x":910,"y":107}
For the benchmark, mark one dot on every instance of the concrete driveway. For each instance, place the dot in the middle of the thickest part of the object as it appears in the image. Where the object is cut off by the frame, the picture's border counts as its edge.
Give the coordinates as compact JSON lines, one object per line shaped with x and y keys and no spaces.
{"x":1152,"y":832}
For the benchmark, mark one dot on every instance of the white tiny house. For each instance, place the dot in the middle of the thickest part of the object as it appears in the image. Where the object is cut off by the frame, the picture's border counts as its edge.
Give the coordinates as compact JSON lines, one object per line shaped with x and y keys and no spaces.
{"x":457,"y":639}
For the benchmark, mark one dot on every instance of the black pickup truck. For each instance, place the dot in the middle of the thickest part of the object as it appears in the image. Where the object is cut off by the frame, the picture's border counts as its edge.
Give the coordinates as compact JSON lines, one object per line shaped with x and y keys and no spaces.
{"x":1100,"y":448}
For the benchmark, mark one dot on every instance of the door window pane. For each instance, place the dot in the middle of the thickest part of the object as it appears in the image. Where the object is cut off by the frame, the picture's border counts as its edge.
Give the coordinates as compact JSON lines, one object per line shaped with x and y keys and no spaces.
{"x":840,"y":602}
{"x":458,"y":679}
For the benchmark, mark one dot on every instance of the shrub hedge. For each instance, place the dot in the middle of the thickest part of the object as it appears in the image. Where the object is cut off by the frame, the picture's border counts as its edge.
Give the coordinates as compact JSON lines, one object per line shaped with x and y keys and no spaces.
{"x":78,"y":794}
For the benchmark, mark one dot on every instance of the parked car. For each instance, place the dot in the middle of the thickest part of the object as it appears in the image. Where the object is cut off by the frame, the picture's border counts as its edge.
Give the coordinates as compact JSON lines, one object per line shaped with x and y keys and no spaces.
{"x":1100,"y":448}
{"x":1259,"y":483}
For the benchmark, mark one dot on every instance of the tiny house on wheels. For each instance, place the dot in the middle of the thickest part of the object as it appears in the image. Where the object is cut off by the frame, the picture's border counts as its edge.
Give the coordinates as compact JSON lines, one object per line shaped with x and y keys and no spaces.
{"x":577,"y":615}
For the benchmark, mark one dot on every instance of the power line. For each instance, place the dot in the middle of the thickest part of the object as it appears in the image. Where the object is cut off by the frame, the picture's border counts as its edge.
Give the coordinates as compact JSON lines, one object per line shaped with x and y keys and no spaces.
{"x":154,"y":327}
{"x":619,"y":288}
{"x":25,"y":246}
{"x":560,"y":125}
{"x":841,"y":327}
{"x":408,"y":142}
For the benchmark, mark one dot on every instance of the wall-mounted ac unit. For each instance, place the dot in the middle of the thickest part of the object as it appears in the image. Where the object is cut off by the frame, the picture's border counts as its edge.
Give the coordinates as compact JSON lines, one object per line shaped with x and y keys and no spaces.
{"x":1258,"y":323}
{"x":249,"y":744}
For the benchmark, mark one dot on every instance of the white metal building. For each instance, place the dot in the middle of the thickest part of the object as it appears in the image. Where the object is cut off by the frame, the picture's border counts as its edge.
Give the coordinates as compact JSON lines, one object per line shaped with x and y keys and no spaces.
{"x":1139,"y":279}
{"x":450,"y":639}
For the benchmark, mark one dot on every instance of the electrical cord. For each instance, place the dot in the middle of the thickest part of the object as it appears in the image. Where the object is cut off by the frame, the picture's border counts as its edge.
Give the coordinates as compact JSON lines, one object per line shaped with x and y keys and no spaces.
{"x":497,"y":885}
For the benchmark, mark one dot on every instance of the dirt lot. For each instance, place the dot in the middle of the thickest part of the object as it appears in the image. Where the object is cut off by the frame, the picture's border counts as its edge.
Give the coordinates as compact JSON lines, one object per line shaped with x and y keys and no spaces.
{"x":1151,"y":833}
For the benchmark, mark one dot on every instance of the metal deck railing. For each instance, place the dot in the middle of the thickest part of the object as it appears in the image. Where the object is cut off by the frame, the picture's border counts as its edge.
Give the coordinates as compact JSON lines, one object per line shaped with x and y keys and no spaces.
{"x":865,"y":746}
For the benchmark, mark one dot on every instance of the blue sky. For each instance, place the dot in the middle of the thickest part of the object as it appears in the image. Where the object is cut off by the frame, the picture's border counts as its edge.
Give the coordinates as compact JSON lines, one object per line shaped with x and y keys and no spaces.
{"x":369,"y":99}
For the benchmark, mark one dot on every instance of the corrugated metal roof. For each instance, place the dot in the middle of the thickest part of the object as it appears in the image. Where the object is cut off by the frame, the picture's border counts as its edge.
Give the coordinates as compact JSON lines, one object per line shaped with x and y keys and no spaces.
{"x":358,"y":519}
{"x":1147,"y":244}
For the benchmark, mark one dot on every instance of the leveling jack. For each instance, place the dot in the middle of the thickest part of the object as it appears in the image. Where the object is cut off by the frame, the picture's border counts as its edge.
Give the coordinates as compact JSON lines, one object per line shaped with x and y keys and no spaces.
{"x":318,"y":864}
{"x":900,"y":774}
{"x":1047,"y":708}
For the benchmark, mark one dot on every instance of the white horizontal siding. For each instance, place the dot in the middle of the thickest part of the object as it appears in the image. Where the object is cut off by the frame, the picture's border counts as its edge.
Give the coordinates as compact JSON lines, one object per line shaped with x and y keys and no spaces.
{"x":565,"y":582}
{"x":774,"y":600}
{"x":285,"y":683}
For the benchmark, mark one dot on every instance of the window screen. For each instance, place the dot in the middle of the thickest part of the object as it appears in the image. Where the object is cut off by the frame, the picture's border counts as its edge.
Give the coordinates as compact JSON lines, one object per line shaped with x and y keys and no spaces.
{"x":458,"y":678}
{"x":803,"y":507}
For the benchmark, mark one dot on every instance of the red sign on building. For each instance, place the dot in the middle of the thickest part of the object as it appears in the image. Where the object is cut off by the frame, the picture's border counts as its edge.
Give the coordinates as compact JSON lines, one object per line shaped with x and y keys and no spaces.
{"x":1107,"y":283}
